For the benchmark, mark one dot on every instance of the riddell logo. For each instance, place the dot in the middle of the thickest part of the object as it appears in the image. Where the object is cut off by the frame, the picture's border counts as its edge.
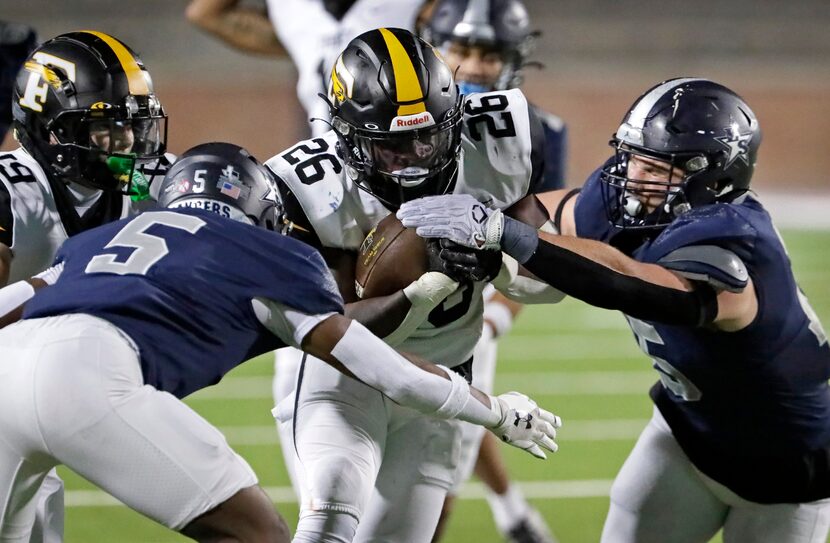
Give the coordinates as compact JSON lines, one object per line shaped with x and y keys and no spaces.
{"x":411,"y":122}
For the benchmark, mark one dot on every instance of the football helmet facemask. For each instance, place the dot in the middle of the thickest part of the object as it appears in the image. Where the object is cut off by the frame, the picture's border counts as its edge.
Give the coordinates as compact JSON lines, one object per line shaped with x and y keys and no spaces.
{"x":397,"y":114}
{"x":500,"y":27}
{"x":697,"y":126}
{"x":225,"y":179}
{"x":84,"y":108}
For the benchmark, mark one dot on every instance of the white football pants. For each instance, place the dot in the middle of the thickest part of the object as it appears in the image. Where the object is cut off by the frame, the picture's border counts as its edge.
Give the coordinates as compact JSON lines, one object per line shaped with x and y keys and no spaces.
{"x":364,"y":459}
{"x":72,"y":392}
{"x":659,"y":496}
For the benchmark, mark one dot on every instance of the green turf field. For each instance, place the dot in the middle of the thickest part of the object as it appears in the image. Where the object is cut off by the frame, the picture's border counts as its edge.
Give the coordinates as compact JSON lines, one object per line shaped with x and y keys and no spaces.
{"x":579,"y":362}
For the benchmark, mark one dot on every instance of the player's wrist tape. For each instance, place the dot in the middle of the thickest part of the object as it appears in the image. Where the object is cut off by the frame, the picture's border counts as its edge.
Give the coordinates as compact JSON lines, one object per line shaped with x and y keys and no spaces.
{"x":50,"y":275}
{"x":499,"y":317}
{"x":508,"y":272}
{"x":424,"y":294}
{"x":494,"y":230}
{"x":497,"y":411}
{"x":15,"y":295}
{"x":458,"y":397}
{"x":430,"y":289}
{"x":519,"y":240}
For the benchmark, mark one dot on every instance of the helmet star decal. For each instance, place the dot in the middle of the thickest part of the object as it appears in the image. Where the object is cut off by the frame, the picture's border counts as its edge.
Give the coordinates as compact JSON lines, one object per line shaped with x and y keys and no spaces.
{"x":270,"y":195}
{"x":738,"y":145}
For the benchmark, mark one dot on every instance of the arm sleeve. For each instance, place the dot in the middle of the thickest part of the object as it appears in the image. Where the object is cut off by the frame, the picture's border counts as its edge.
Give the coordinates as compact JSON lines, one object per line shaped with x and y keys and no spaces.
{"x":383,"y":368}
{"x":598,"y":285}
{"x":290,"y":325}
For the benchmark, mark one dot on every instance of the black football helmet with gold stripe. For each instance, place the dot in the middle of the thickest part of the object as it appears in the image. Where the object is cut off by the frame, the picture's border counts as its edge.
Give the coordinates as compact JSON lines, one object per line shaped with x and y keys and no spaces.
{"x":397,"y":113}
{"x":84,"y":108}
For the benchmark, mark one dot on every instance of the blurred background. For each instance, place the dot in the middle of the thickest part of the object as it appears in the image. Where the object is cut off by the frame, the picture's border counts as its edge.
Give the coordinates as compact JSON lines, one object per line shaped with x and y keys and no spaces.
{"x":598,"y":56}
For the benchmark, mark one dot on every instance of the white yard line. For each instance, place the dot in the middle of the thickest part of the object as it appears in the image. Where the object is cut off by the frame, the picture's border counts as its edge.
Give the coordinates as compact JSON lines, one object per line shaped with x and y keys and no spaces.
{"x":540,"y":490}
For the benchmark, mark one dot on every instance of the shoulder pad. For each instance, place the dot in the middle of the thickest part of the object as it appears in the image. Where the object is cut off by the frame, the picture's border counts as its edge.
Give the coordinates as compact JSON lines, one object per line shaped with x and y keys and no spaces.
{"x":719,"y":267}
{"x":496,"y":115}
{"x":498,"y":155}
{"x":723,"y":225}
{"x":339,"y":212}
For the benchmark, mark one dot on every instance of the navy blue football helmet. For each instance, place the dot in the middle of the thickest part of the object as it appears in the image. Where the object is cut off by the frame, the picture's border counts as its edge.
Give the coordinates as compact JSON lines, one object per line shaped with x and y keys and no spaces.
{"x":502,"y":26}
{"x":699,"y":127}
{"x":225,"y":179}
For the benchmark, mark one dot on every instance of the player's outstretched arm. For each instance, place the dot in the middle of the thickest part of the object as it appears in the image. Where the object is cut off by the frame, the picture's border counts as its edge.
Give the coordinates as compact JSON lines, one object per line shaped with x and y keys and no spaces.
{"x":586,"y":269}
{"x":242,"y":27}
{"x":428,"y":388}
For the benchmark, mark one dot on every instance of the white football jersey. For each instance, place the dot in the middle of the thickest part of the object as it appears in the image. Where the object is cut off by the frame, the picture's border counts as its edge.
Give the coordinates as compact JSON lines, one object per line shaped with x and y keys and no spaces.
{"x":314,"y":38}
{"x":31,"y":223}
{"x":495,"y":167}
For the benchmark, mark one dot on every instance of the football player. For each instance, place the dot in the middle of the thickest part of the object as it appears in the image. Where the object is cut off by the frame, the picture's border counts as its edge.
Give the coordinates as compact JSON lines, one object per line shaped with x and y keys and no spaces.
{"x":487,"y":43}
{"x":85,"y":114}
{"x":670,"y":234}
{"x":146,"y":311}
{"x":369,"y":469}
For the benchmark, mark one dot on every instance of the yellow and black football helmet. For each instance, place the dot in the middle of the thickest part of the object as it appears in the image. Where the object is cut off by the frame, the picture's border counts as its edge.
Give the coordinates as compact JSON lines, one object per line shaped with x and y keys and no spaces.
{"x":397,"y":113}
{"x":85,"y":109}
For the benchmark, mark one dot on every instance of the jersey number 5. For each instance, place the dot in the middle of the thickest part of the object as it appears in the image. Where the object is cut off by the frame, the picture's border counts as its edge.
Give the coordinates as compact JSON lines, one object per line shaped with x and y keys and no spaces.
{"x":670,"y":376}
{"x":149,"y":249}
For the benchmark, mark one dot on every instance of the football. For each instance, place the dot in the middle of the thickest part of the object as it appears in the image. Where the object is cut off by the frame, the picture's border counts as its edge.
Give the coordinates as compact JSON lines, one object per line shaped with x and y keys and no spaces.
{"x":389,"y":259}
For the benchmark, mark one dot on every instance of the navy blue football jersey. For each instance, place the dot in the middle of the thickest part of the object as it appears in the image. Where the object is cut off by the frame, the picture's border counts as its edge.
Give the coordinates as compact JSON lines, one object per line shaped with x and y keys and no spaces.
{"x":590,"y":219}
{"x":750,"y":408}
{"x":554,"y":150}
{"x":180,"y":284}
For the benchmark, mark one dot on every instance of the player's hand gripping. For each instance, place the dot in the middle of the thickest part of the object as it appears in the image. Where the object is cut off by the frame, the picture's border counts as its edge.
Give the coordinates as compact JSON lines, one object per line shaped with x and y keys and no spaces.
{"x":524,"y":424}
{"x":457,"y":217}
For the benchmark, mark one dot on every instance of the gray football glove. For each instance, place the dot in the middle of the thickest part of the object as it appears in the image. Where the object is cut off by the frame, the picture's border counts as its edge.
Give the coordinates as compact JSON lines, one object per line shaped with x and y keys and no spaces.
{"x":457,"y":217}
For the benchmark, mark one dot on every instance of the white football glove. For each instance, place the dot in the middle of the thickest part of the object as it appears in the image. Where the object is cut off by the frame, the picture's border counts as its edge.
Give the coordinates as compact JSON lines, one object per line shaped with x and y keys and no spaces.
{"x":524,"y":424}
{"x":457,"y":217}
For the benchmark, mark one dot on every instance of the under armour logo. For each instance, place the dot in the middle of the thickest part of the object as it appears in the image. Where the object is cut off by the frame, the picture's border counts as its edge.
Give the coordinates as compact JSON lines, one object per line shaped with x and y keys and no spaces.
{"x":479,"y":214}
{"x":526,"y":418}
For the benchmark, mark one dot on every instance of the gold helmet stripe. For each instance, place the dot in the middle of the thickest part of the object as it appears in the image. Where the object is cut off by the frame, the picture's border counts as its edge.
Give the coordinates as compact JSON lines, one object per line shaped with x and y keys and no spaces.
{"x":406,"y":80}
{"x":135,"y":77}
